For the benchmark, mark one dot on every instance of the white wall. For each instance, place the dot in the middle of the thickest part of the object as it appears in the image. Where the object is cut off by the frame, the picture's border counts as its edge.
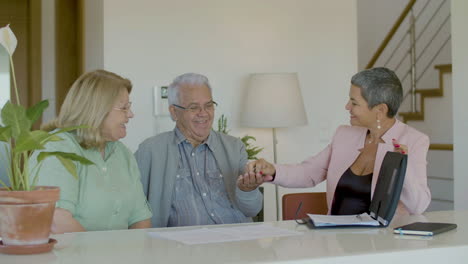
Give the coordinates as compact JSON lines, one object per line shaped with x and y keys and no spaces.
{"x":460,"y":95}
{"x":151,"y":42}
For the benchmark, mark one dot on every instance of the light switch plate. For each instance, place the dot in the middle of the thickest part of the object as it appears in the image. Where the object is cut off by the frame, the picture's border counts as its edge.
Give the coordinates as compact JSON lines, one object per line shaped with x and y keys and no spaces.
{"x":161,"y":103}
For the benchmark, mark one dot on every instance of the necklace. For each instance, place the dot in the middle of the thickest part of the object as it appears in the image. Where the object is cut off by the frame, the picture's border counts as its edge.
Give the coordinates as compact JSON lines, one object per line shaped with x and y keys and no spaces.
{"x":370,"y":139}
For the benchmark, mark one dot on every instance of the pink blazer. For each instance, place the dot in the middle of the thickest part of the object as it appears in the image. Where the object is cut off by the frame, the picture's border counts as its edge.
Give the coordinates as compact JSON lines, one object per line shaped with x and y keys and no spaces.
{"x":340,"y":154}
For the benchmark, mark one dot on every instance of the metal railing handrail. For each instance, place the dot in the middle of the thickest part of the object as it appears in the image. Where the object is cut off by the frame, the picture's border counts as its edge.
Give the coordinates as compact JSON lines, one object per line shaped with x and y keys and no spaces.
{"x":424,"y":49}
{"x":408,"y":12}
{"x":405,"y":35}
{"x":427,"y":66}
{"x":390,"y":34}
{"x":428,"y":44}
{"x":430,"y":19}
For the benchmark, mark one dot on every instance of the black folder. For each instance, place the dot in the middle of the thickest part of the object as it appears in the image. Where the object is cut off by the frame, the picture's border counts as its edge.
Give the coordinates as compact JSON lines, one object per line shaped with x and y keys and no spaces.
{"x":424,"y":228}
{"x":384,"y":202}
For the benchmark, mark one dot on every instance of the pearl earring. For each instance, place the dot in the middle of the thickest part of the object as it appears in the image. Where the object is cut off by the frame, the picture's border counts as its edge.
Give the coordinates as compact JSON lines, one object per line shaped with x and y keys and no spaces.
{"x":378,"y":124}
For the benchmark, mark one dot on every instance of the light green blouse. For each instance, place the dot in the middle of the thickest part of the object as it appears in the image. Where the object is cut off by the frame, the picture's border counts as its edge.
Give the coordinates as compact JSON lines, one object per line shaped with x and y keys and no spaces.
{"x":107,"y":195}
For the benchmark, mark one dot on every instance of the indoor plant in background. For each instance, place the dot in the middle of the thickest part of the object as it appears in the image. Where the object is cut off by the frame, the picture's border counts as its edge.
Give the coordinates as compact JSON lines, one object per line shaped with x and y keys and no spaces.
{"x":26,"y":210}
{"x":252,"y":151}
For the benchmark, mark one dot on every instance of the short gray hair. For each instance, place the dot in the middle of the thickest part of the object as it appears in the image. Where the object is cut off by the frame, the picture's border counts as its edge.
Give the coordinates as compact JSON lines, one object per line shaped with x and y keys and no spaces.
{"x":380,"y":86}
{"x":184,"y":79}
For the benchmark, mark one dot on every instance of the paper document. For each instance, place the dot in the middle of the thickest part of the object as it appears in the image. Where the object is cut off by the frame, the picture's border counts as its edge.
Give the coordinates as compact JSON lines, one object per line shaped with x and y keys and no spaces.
{"x":223,"y":234}
{"x":343,"y":220}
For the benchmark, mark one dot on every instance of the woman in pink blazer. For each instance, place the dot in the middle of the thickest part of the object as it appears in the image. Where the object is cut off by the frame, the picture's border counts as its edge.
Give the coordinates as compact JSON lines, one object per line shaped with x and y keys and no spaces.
{"x":351,"y":162}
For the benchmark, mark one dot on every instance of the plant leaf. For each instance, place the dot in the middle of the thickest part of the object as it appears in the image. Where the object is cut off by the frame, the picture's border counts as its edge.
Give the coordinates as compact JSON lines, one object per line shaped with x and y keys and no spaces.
{"x":54,"y":137}
{"x":66,"y":155}
{"x":246,"y":139}
{"x":5,"y":133}
{"x":14,"y":115}
{"x":69,"y":165}
{"x":34,"y":140}
{"x":66,"y":159}
{"x":43,"y":137}
{"x":36,"y":111}
{"x":30,"y":141}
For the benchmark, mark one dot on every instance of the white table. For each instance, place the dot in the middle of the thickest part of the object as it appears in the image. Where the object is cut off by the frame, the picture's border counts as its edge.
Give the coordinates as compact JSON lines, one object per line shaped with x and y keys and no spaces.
{"x":377,"y":245}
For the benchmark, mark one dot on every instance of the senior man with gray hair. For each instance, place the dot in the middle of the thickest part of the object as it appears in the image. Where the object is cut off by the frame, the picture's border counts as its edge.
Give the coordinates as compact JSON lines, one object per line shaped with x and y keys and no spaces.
{"x":190,"y":175}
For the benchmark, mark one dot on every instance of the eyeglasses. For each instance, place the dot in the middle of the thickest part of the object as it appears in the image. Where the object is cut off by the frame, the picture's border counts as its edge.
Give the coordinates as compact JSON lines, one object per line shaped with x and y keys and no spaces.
{"x":195,"y":109}
{"x":126,"y":108}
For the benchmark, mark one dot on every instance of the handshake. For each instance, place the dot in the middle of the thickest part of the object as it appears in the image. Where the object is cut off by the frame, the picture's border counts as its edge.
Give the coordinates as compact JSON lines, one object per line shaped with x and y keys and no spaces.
{"x":256,"y":173}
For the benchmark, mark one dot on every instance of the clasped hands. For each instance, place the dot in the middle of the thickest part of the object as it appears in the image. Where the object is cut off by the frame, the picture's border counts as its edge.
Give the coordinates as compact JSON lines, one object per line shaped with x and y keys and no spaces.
{"x":260,"y":171}
{"x":256,"y":173}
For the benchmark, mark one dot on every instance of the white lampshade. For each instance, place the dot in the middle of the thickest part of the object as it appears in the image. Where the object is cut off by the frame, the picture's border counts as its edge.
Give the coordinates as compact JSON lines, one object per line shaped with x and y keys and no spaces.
{"x":273,"y":100}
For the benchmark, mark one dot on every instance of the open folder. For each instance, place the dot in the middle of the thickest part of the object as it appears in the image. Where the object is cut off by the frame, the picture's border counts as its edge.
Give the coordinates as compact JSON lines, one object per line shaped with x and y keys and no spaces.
{"x":384,"y":202}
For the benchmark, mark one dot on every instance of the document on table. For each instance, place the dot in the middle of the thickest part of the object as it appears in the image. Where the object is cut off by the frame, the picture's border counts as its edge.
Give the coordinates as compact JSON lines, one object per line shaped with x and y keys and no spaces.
{"x":343,"y":220}
{"x":206,"y":235}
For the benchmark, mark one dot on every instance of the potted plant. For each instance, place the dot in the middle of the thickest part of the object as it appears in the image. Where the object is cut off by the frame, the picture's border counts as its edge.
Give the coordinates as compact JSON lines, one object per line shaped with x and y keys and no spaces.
{"x":26,"y":210}
{"x":251,"y":150}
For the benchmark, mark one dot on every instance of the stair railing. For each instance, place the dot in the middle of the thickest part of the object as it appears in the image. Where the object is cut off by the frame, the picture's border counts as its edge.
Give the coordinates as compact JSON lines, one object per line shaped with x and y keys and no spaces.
{"x":414,"y":58}
{"x":412,"y":32}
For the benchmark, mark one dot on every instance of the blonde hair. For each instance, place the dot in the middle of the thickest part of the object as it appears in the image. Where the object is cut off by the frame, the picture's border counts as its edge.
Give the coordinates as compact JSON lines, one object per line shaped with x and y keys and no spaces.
{"x":90,"y":99}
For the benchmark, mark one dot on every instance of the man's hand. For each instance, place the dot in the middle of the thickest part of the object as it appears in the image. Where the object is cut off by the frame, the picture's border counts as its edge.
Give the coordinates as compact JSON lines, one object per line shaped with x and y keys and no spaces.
{"x":261,"y":167}
{"x":249,"y":181}
{"x":256,"y":173}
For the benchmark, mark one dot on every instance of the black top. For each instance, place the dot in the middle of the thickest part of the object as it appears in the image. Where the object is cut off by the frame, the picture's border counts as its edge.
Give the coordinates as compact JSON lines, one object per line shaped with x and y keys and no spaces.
{"x":352,"y":194}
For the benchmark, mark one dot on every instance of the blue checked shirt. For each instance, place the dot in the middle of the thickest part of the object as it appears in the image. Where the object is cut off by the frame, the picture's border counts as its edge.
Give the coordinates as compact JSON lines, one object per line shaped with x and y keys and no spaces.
{"x":200,"y":197}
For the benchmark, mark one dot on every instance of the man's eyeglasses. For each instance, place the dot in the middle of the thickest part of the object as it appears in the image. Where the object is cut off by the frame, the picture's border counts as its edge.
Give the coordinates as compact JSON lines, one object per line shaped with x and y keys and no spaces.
{"x":126,"y":108}
{"x":210,"y":106}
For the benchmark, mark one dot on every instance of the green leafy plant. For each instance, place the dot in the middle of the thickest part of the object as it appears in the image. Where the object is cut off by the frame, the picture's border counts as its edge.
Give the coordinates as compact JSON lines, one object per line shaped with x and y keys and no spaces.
{"x":20,"y":140}
{"x":252,"y":151}
{"x":222,"y":124}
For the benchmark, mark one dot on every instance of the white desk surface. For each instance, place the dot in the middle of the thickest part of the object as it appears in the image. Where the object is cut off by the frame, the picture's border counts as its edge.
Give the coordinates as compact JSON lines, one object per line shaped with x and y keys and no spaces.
{"x":378,"y":245}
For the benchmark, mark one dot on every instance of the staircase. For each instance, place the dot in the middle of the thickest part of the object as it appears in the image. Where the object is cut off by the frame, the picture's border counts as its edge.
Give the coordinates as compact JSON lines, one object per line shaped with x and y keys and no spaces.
{"x":434,"y":119}
{"x":417,"y":48}
{"x":429,"y":93}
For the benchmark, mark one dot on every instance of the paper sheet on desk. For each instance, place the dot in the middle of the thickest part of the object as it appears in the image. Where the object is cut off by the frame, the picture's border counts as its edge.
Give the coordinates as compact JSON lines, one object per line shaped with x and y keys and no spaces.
{"x":224,"y":234}
{"x":340,"y":220}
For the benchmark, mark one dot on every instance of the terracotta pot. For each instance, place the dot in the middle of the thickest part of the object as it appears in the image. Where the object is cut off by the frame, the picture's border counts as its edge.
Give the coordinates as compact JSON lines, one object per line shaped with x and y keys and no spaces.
{"x":26,"y":216}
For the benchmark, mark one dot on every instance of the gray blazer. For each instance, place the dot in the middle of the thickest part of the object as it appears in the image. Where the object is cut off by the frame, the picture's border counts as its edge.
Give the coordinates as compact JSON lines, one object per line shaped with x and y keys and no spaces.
{"x":158,"y":159}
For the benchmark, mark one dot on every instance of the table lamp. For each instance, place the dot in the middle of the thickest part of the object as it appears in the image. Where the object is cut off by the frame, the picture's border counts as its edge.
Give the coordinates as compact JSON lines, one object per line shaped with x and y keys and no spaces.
{"x":273,"y":100}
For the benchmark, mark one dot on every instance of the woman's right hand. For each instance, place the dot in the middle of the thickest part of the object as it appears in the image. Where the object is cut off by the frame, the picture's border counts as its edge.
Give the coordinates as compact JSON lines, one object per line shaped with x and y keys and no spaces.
{"x":263,"y":168}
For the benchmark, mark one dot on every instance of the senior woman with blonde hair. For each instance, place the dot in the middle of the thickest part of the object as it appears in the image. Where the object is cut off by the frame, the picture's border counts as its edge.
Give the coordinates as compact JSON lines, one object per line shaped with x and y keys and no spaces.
{"x":351,"y":162}
{"x":107,"y":195}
